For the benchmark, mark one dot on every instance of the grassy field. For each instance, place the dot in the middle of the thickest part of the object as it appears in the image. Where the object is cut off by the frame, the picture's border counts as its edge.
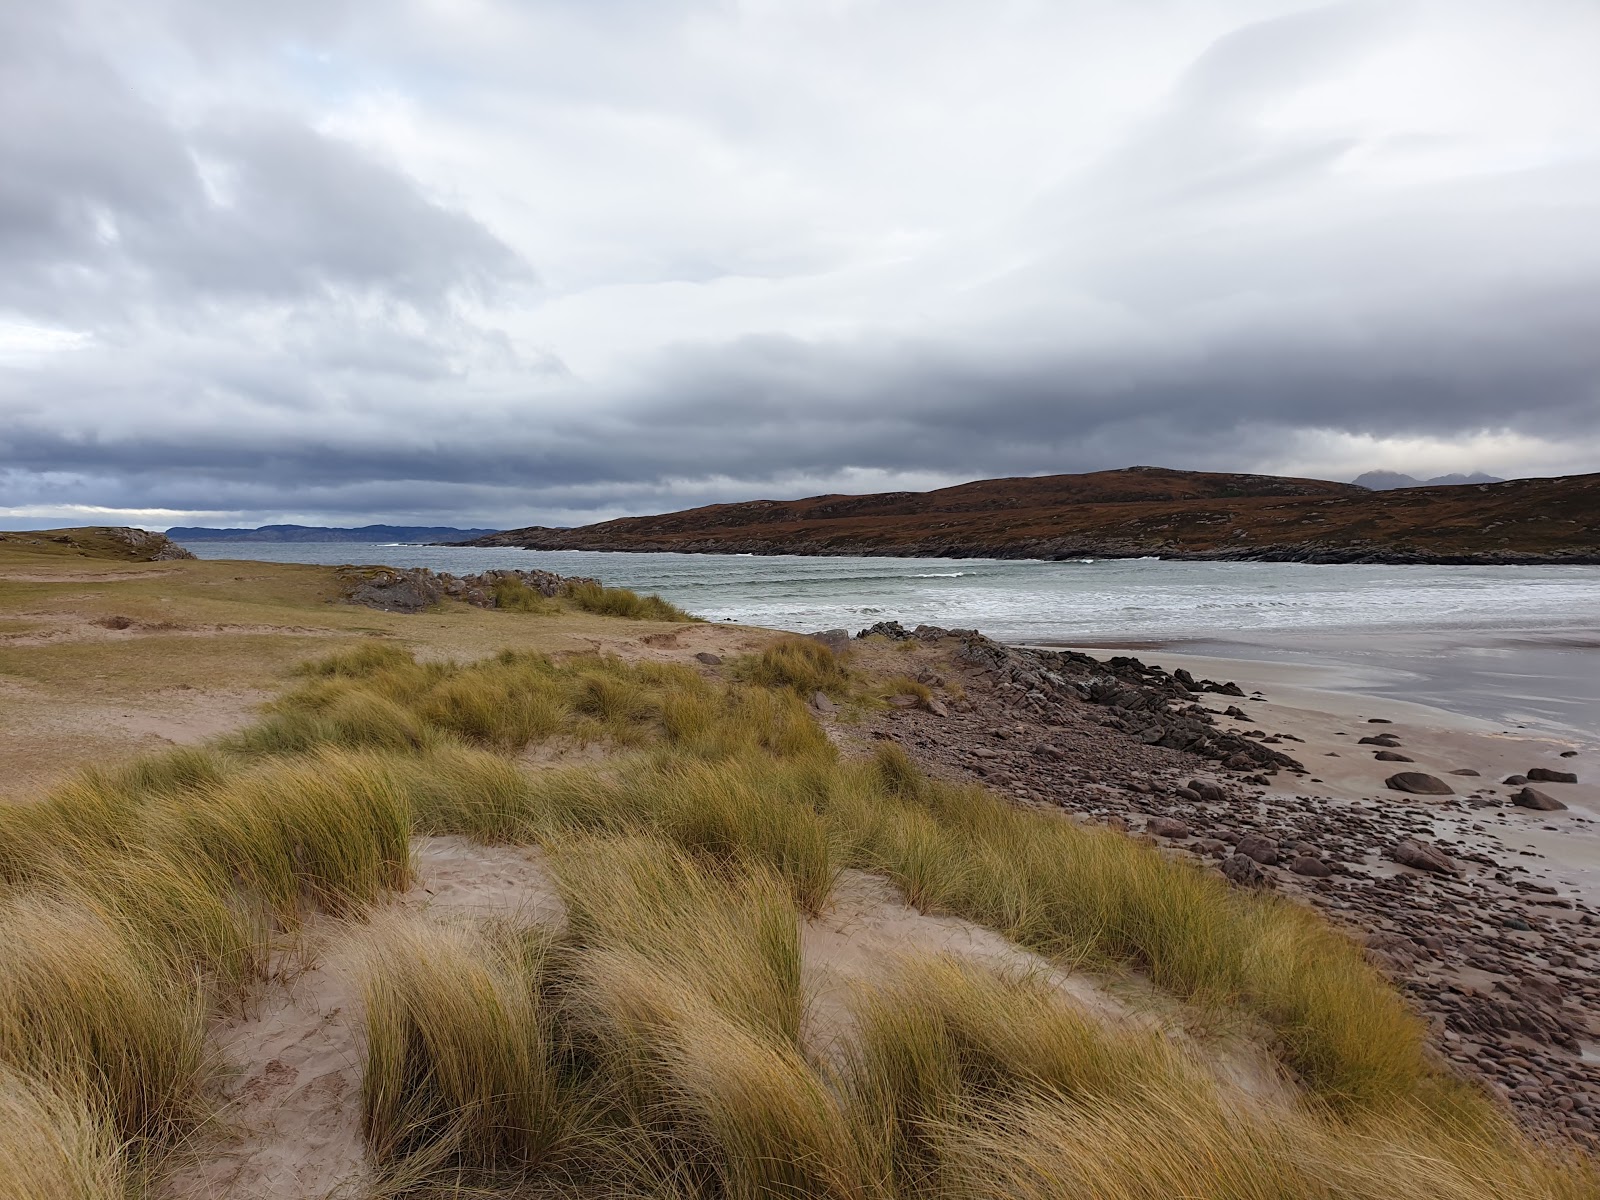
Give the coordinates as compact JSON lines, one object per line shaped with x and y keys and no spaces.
{"x":652,"y":1043}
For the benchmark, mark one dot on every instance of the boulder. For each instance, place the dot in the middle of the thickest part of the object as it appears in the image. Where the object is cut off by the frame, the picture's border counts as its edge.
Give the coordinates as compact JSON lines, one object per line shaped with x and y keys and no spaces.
{"x":1418,"y":783}
{"x":1535,"y":799}
{"x":1392,"y":756}
{"x":1258,"y":848}
{"x":1546,"y":775}
{"x":1311,"y":866}
{"x":1465,"y":771}
{"x":1244,"y":872}
{"x":1169,"y":827}
{"x":708,"y":658}
{"x":820,"y":702}
{"x":1209,"y":792}
{"x":1383,"y":739}
{"x":1422,"y":856}
{"x":837,"y":640}
{"x":1514,"y":780}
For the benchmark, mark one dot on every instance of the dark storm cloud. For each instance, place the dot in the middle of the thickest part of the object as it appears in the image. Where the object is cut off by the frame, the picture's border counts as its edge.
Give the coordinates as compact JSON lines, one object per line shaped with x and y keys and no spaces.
{"x":352,"y":261}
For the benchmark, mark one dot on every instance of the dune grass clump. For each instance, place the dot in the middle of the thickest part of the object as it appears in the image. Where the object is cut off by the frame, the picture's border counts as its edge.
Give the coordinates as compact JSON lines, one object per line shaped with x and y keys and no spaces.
{"x":685,"y":1003}
{"x":55,"y":1146}
{"x":84,"y":1004}
{"x":623,"y":602}
{"x":460,"y":1071}
{"x":514,"y":595}
{"x":801,"y":664}
{"x":1088,"y":894}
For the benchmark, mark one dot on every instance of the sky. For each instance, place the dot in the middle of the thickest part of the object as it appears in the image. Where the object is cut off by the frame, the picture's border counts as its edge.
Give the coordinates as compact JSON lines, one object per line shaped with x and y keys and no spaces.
{"x":509,"y":262}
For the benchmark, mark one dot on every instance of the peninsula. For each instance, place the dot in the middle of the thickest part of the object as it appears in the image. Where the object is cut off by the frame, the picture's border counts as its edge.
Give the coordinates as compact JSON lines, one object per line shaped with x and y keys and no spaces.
{"x":1130,"y":513}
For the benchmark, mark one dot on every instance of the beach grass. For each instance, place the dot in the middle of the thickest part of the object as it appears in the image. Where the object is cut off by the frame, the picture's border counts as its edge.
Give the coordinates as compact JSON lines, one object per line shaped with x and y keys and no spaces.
{"x":654,"y":1043}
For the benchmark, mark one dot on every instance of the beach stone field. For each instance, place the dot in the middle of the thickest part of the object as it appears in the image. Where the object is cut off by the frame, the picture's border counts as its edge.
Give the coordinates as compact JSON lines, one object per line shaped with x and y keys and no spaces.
{"x":1502,"y":963}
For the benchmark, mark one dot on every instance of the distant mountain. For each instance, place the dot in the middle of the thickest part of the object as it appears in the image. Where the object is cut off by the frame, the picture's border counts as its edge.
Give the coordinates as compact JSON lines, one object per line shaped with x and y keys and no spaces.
{"x":319,"y":533}
{"x":1387,"y":481}
{"x":1135,"y":512}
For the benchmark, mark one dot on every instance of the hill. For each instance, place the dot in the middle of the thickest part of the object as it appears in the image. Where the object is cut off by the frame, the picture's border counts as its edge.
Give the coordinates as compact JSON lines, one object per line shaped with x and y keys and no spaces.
{"x":321,"y":533}
{"x":1134,"y":512}
{"x":1383,"y":481}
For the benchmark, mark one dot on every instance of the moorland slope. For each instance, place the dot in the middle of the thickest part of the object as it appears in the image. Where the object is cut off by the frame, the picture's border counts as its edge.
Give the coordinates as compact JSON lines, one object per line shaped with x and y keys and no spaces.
{"x":1134,"y":512}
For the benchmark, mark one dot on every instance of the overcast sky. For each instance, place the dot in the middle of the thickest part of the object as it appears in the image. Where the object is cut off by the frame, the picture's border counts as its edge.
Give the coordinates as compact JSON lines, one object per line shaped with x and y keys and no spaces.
{"x":527,"y":261}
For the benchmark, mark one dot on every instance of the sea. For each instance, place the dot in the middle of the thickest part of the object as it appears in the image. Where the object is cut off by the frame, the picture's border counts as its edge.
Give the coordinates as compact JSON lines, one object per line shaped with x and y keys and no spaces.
{"x":1516,"y":645}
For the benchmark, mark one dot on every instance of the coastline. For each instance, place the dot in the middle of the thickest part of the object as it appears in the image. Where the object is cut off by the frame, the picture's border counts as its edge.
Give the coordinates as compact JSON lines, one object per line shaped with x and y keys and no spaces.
{"x":1056,"y":551}
{"x":1492,"y":932}
{"x":1499,"y":949}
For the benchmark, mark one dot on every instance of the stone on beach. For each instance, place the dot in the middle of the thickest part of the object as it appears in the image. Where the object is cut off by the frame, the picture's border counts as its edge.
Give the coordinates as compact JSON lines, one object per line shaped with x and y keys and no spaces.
{"x":1546,"y":775}
{"x":1533,"y":798}
{"x":1244,"y":872}
{"x":1392,"y":756}
{"x":1169,"y":827}
{"x":1419,"y":783}
{"x":1421,"y":856}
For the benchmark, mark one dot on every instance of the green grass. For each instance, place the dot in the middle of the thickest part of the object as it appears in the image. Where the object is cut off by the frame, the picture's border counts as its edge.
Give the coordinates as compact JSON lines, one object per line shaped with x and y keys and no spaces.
{"x":621,"y":602}
{"x":513,"y":595}
{"x":803,"y":665}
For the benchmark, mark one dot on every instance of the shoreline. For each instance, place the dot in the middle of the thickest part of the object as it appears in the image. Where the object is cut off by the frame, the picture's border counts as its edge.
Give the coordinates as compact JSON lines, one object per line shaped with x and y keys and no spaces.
{"x":1495,"y":943}
{"x":1311,"y":556}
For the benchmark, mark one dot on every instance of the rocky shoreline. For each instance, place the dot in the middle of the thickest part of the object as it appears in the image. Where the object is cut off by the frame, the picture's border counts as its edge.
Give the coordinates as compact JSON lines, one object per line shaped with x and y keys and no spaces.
{"x":1050,"y":550}
{"x":1505,"y":968}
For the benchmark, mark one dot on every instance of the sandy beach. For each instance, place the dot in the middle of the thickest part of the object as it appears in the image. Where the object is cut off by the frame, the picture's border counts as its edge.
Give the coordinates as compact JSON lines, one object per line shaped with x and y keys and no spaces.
{"x":1331,"y":707}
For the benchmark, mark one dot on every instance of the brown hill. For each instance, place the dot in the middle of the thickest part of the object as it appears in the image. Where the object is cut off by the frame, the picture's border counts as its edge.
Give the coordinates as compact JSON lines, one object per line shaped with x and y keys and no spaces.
{"x":1133,"y":512}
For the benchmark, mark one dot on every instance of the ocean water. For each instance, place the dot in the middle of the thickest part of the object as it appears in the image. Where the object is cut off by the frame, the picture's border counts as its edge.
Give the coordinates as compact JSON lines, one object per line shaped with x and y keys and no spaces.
{"x":1519,"y":645}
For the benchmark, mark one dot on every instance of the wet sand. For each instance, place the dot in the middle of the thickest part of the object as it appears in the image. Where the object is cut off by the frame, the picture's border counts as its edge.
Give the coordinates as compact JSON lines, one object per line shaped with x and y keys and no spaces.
{"x":1330,"y":706}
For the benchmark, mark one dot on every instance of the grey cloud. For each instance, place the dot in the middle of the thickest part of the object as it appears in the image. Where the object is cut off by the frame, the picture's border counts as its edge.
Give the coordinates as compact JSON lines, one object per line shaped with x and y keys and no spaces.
{"x":280,"y":316}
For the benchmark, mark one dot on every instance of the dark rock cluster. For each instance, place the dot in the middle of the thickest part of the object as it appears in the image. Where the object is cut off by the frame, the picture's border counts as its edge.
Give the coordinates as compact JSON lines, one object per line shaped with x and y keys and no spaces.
{"x":414,"y":589}
{"x":1502,"y":964}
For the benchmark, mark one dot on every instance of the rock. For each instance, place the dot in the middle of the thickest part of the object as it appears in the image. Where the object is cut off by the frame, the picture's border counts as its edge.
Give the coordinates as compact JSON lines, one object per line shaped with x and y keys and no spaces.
{"x":902,"y":701}
{"x":389,"y":588}
{"x":820,"y":702}
{"x":1392,"y":756}
{"x":1383,"y":739}
{"x":1546,"y":775}
{"x":1209,"y":792}
{"x":1418,"y":783}
{"x":1169,"y":827}
{"x":1244,"y":872}
{"x":1423,"y":857}
{"x":1569,"y":754}
{"x":888,"y":629}
{"x":1305,"y":864}
{"x":937,"y":707}
{"x":1211,"y":848}
{"x":1466,"y":771}
{"x":710,"y":660}
{"x":148,"y":545}
{"x":1379,"y":721}
{"x":1514,"y":780}
{"x":837,"y":640}
{"x":1259,"y":849}
{"x":1533,"y":798}
{"x":1237,"y":713}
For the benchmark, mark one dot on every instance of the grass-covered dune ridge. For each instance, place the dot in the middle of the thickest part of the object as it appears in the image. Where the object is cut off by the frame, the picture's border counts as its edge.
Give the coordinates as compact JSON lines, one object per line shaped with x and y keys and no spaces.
{"x":653,"y":1043}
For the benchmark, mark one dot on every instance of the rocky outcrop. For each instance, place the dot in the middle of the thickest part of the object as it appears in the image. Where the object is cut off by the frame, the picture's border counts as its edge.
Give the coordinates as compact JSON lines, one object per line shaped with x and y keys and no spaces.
{"x":1152,"y":705}
{"x":415,"y":589}
{"x":151,"y":547}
